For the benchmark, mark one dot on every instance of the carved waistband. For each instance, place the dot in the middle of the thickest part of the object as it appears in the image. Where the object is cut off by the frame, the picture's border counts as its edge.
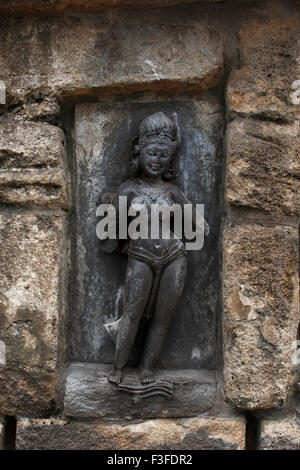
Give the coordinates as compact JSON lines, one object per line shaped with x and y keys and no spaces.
{"x":157,"y":262}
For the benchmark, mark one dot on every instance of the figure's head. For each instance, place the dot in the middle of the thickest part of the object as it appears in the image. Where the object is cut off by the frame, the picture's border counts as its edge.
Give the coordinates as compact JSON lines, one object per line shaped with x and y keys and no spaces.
{"x":156,"y":147}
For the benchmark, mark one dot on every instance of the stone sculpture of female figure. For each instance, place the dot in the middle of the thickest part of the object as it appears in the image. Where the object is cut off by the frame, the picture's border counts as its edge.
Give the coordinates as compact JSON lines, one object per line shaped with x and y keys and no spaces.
{"x":156,"y":269}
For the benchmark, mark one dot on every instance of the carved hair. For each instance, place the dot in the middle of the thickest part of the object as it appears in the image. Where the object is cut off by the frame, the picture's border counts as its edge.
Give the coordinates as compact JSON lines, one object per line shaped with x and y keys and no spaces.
{"x":157,"y":127}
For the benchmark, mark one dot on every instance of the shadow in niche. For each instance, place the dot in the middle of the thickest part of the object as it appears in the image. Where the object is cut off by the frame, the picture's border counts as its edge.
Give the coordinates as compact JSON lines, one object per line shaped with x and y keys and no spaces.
{"x":10,"y":430}
{"x":252,"y":431}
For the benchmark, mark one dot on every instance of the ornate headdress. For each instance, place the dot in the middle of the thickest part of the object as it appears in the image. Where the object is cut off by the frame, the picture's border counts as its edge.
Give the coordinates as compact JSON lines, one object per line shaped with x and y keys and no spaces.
{"x":160,"y":128}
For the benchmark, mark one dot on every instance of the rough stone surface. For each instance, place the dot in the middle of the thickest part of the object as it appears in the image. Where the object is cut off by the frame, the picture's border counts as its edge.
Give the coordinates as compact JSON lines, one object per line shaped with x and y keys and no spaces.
{"x":32,"y":164}
{"x":263,"y":165}
{"x":279,"y":435}
{"x":31,"y":320}
{"x":159,"y":434}
{"x":261,"y":314}
{"x":269,"y":51}
{"x":88,"y":394}
{"x":84,"y":53}
{"x":46,"y":110}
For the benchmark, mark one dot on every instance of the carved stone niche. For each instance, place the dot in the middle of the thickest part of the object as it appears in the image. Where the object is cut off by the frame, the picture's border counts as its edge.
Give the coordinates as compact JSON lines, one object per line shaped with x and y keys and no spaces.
{"x":190,"y":359}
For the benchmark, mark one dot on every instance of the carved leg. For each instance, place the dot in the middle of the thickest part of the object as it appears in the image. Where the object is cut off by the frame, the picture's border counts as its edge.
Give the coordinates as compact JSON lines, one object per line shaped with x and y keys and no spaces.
{"x":169,"y":293}
{"x":138,"y":284}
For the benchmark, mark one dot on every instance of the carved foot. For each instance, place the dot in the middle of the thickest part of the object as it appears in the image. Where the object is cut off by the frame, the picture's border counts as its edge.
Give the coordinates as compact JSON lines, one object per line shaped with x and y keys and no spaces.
{"x":147,"y":377}
{"x":115,"y":377}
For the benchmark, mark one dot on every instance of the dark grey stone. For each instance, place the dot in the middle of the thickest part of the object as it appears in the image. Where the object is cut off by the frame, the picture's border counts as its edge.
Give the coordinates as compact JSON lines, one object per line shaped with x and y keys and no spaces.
{"x":89,"y":394}
{"x":103,"y":138}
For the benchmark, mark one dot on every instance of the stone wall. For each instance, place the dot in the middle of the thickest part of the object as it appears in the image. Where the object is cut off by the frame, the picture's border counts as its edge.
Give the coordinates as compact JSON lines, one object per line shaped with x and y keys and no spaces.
{"x":242,"y":54}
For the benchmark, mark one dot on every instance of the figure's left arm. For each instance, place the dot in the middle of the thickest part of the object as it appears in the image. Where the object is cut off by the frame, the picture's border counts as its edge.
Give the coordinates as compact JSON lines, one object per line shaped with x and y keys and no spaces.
{"x":180,"y":198}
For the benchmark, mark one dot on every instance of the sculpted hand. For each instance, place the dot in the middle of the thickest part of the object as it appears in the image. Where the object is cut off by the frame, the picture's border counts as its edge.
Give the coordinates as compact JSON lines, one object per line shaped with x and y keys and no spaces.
{"x":206,"y":228}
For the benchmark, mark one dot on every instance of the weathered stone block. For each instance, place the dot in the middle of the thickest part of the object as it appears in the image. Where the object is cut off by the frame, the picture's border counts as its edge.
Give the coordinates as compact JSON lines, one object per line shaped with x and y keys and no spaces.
{"x":263,"y":166}
{"x":76,"y":54}
{"x":268,"y":65}
{"x":261,"y":314}
{"x":32,"y":284}
{"x":33,"y":164}
{"x":282,"y":434}
{"x":159,"y":434}
{"x":46,"y":110}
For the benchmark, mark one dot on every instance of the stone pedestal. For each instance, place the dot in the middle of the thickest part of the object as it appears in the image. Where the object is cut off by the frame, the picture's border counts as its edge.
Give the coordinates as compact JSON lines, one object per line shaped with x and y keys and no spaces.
{"x":89,"y":394}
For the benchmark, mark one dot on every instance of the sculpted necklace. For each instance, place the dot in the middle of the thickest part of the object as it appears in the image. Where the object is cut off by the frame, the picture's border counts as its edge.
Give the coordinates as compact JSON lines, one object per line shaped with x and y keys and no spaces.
{"x":152,"y":191}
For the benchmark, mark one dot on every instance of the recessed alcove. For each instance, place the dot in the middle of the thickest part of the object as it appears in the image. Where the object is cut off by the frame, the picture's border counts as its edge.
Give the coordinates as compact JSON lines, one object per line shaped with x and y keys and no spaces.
{"x":103,"y":133}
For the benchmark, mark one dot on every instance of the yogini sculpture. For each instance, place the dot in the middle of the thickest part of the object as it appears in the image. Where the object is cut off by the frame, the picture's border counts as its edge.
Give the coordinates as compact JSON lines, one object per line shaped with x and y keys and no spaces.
{"x":156,"y":269}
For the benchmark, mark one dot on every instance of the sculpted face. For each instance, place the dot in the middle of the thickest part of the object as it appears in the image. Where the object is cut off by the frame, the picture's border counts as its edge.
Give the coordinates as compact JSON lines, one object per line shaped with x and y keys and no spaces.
{"x":155,"y":159}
